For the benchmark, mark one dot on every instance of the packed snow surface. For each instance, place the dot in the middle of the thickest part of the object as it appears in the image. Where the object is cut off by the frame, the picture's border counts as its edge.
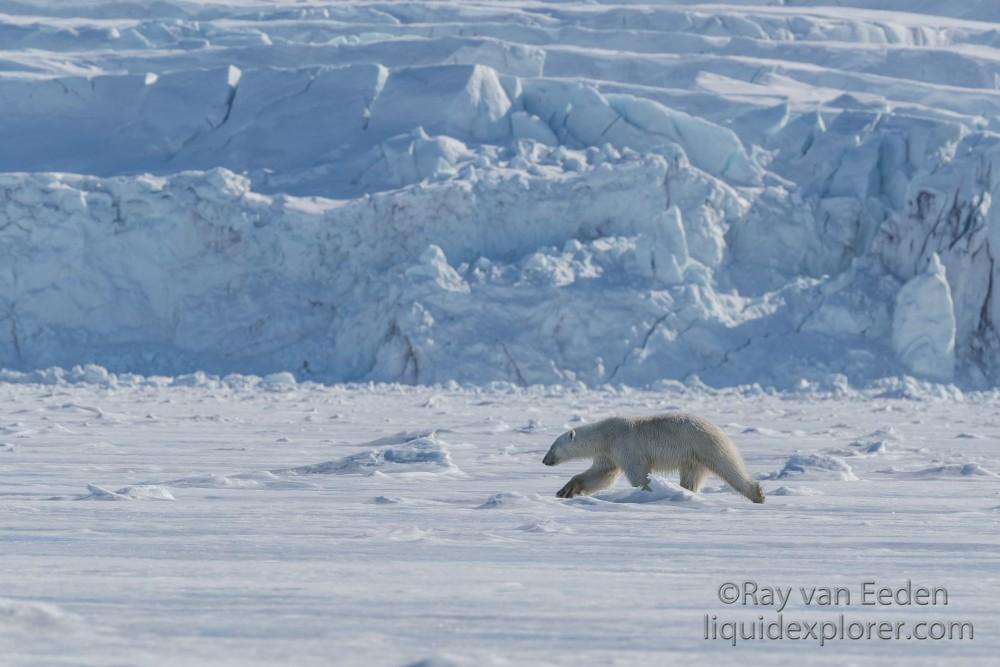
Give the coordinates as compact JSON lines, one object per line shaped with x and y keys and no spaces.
{"x":382,"y":526}
{"x":533,"y":192}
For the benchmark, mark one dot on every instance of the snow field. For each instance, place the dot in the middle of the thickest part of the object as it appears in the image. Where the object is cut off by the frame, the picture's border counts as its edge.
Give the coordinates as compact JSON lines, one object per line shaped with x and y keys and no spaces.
{"x":385,"y":525}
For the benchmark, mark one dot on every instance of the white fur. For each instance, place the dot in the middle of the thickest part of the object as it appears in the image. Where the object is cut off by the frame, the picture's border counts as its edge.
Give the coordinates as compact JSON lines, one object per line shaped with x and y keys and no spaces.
{"x":637,"y":446}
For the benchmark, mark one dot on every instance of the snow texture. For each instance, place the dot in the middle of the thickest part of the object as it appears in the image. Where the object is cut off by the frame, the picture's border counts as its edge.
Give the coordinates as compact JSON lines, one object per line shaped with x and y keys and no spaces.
{"x":262,"y":559}
{"x":552,"y":192}
{"x":815,"y":466}
{"x":140,"y":492}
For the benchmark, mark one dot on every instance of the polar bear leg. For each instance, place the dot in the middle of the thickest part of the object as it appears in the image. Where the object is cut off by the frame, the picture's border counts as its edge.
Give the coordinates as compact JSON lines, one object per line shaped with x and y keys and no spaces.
{"x":736,"y":477}
{"x":638,"y":474}
{"x":599,"y":476}
{"x":693,"y":476}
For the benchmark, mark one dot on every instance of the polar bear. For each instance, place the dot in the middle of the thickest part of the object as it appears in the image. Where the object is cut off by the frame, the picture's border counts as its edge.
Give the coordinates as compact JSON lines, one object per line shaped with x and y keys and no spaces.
{"x":640,"y":445}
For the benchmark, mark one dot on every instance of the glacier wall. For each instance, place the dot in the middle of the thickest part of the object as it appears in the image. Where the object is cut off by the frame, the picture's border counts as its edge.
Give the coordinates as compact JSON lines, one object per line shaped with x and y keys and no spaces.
{"x":534,"y":193}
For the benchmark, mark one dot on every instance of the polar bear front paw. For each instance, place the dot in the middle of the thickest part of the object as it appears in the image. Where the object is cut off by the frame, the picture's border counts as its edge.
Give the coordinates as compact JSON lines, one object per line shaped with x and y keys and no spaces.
{"x":572,"y":488}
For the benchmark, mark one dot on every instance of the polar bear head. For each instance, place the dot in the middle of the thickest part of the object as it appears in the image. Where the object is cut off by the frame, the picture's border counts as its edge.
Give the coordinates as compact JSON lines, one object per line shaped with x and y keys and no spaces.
{"x":561,"y":449}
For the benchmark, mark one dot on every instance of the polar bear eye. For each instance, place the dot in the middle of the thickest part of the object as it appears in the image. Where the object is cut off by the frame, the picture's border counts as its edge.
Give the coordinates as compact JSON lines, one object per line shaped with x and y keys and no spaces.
{"x":572,"y":435}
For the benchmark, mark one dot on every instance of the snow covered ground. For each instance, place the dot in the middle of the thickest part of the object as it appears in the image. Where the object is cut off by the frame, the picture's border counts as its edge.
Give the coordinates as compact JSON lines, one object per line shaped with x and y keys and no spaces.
{"x":535,"y":192}
{"x":228,"y":524}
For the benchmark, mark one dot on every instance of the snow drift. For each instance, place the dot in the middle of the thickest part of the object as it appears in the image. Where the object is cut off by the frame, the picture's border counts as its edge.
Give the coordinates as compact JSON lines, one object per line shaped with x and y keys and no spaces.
{"x":536,"y":194}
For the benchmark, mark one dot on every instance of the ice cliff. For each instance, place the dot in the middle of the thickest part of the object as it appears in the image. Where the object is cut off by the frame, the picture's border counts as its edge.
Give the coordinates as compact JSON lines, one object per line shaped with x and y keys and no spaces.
{"x":533,"y":193}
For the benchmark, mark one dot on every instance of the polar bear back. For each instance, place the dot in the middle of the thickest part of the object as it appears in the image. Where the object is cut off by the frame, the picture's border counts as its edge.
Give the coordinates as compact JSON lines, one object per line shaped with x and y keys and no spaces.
{"x":665,"y":441}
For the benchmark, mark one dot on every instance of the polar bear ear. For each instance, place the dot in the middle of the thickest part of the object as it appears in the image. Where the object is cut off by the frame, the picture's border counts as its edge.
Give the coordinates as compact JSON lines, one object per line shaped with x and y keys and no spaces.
{"x":572,"y":435}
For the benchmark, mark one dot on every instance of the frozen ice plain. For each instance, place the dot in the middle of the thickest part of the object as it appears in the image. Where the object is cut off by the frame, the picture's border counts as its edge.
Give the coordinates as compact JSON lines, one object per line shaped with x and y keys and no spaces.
{"x":475,"y":196}
{"x":229,"y":524}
